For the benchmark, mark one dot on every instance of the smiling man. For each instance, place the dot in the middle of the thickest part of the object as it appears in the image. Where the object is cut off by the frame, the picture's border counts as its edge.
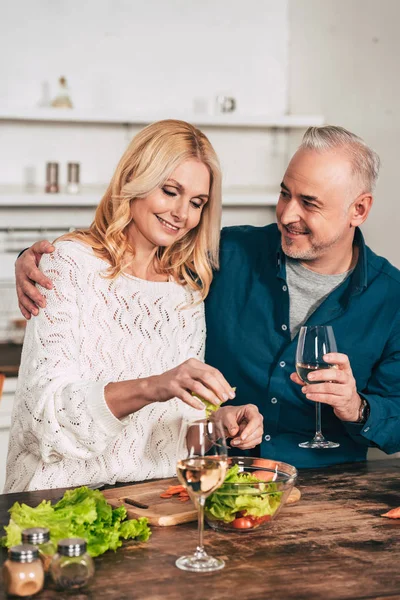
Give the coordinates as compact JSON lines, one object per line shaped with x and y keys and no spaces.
{"x":312,"y":268}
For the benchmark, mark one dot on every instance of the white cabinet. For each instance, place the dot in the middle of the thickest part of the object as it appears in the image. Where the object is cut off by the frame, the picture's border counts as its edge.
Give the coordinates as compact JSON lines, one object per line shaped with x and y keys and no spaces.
{"x":6,"y":405}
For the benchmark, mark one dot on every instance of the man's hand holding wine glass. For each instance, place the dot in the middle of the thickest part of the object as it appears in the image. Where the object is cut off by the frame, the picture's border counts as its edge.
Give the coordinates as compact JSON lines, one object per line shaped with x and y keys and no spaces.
{"x":336,"y":387}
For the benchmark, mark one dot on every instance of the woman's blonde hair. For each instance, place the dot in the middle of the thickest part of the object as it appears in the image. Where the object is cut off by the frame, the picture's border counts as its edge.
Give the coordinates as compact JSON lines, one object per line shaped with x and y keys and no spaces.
{"x":151,"y":157}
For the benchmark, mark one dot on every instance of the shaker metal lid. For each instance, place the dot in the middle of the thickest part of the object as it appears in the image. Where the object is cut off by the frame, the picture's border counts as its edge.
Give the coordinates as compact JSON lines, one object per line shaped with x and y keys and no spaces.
{"x":35,"y":535}
{"x":71,"y":547}
{"x":24,"y":553}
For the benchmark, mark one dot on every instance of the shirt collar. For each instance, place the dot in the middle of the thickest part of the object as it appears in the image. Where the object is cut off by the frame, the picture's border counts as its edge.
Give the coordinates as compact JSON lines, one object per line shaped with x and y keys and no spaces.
{"x":359,"y":277}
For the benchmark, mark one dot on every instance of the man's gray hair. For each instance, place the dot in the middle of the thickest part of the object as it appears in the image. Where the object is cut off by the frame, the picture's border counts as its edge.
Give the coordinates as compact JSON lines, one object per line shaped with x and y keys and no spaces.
{"x":366,"y":162}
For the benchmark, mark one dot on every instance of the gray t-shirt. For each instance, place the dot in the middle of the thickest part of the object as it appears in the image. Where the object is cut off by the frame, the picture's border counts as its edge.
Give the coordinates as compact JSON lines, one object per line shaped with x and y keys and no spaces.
{"x":307,"y":290}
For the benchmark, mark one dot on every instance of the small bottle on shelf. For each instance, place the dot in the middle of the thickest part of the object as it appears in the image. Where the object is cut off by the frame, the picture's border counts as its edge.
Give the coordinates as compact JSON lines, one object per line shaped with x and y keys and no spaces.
{"x":73,"y":178}
{"x":62,"y":99}
{"x":52,"y":186}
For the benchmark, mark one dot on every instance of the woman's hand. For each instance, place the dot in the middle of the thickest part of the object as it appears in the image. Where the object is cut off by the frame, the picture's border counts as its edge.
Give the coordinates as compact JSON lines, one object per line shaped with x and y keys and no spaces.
{"x":27,"y":275}
{"x":126,"y":397}
{"x":192,"y":376}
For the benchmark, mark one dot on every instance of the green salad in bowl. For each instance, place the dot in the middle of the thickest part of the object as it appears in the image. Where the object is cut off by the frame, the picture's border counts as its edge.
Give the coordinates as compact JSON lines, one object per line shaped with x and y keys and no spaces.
{"x":252,"y":495}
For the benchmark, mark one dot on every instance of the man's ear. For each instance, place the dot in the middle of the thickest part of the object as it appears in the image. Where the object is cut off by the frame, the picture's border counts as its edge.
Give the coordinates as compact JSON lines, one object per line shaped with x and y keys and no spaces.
{"x":360,"y":209}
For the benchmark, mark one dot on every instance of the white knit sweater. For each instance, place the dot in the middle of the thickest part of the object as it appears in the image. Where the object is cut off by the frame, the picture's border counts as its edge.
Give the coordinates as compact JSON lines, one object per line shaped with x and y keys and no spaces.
{"x":93,"y":331}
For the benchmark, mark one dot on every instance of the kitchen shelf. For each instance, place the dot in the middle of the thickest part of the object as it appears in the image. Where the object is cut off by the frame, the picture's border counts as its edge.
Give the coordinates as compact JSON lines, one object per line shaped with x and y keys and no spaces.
{"x":56,"y":115}
{"x":246,"y":197}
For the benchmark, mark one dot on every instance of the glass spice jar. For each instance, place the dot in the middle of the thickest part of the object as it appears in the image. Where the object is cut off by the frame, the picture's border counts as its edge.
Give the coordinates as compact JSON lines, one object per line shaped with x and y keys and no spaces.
{"x":52,"y":186}
{"x":73,"y":186}
{"x":72,"y":567}
{"x":40,"y":537}
{"x":23,"y":573}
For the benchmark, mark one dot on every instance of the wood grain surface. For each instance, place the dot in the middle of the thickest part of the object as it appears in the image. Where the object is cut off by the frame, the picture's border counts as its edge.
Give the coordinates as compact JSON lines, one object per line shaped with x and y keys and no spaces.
{"x":333,"y":545}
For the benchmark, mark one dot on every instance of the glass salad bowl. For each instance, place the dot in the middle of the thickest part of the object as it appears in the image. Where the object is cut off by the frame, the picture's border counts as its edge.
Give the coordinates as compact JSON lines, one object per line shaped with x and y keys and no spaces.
{"x":252,"y":495}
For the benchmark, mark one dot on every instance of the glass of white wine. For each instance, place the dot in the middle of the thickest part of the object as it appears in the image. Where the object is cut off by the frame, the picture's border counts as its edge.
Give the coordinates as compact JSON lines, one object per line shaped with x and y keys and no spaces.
{"x":314,"y":342}
{"x":201,"y":469}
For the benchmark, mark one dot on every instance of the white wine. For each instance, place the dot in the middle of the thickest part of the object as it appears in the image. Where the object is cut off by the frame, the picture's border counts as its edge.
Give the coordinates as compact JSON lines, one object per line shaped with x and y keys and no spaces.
{"x":201,"y":475}
{"x":303,"y":369}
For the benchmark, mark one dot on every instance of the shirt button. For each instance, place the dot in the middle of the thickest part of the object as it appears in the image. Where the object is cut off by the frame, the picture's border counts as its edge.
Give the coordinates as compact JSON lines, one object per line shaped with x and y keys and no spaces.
{"x":274,"y":400}
{"x":284,"y":287}
{"x":282,"y":364}
{"x":267,"y":438}
{"x":284,"y":327}
{"x":366,"y":429}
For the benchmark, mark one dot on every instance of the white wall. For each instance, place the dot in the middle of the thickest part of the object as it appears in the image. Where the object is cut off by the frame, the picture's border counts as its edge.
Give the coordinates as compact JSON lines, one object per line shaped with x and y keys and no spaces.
{"x":344,"y":63}
{"x":135,"y":56}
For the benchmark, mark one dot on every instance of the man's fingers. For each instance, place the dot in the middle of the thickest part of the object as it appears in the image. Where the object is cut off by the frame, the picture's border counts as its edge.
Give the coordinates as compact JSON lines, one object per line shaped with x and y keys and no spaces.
{"x":25,"y":313}
{"x":327,"y":375}
{"x":28,"y":306}
{"x":254,"y":421}
{"x":250,"y":442}
{"x":294,"y":377}
{"x":31,"y":292}
{"x":336,"y":358}
{"x":337,"y":389}
{"x":42,"y":247}
{"x":229,"y":420}
{"x":331,"y":399}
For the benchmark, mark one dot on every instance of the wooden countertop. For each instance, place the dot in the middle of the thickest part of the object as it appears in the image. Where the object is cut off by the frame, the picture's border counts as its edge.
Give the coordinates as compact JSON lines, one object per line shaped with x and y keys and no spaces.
{"x":10,"y":357}
{"x":332,"y":545}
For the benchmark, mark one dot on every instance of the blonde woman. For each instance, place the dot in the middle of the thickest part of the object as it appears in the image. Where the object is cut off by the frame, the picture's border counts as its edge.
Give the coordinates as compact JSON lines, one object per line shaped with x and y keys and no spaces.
{"x":109,"y":363}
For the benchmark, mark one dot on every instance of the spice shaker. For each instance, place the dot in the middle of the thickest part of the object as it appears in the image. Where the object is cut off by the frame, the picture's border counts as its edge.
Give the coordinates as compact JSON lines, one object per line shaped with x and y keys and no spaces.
{"x":52,"y":178}
{"x":72,"y":567}
{"x":23,"y":573}
{"x":40,"y":537}
{"x":73,"y":178}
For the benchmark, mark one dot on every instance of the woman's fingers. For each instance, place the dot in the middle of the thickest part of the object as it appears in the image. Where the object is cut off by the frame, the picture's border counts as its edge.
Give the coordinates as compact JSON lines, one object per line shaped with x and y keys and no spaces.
{"x":212,"y":379}
{"x":204,"y":392}
{"x":187,"y":398}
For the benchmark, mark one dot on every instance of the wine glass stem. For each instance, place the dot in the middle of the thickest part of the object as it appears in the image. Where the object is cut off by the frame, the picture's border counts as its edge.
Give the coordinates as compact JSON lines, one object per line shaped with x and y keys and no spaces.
{"x":200,"y":548}
{"x":318,"y":431}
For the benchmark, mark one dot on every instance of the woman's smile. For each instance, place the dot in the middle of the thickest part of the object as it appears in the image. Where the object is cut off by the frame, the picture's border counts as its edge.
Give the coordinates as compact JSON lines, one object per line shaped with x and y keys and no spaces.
{"x":167,"y":225}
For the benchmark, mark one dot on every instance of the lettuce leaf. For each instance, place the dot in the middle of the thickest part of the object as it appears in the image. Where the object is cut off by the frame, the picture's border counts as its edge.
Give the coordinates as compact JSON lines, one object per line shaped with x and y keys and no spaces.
{"x":210,"y":408}
{"x":81,"y":512}
{"x":229,"y":499}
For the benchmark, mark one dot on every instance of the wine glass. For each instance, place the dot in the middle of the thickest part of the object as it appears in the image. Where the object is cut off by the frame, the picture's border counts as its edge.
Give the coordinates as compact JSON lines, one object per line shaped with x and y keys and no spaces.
{"x":313,"y":343}
{"x":201,"y":468}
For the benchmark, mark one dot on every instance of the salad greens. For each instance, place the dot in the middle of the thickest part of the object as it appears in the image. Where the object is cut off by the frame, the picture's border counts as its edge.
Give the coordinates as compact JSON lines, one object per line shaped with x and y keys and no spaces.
{"x":210,"y":408}
{"x":229,"y":499}
{"x":81,"y":512}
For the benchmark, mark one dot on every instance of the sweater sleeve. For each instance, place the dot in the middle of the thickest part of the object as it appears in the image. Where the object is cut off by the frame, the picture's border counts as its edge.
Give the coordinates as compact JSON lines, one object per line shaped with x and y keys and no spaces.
{"x":60,"y":414}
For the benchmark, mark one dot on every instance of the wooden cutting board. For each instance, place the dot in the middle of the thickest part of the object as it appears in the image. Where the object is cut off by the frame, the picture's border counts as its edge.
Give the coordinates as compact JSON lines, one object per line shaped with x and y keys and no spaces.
{"x":159,"y":511}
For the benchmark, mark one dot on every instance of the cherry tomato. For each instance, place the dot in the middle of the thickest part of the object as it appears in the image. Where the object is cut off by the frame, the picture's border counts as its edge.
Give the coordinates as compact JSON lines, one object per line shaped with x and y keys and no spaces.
{"x":263,"y":475}
{"x":259,"y":520}
{"x":242,"y":523}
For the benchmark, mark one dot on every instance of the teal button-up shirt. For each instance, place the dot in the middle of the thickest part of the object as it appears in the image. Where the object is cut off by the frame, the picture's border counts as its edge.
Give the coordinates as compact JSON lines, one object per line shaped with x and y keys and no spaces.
{"x":248,"y":340}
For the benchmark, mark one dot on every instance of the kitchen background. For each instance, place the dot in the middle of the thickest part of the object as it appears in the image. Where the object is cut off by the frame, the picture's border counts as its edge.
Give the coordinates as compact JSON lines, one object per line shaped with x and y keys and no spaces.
{"x":287,"y":64}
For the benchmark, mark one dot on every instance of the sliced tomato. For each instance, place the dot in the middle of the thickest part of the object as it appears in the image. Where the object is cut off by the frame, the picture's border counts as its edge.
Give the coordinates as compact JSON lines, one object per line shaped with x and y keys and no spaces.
{"x":259,"y":520}
{"x":242,"y":523}
{"x":263,"y":475}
